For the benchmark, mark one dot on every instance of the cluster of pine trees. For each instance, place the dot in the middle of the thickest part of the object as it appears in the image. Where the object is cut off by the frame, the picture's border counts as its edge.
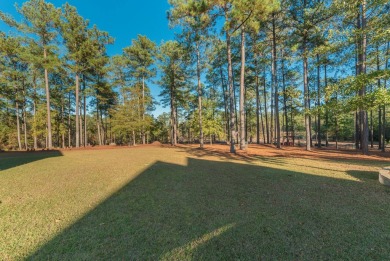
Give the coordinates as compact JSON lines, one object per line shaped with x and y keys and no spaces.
{"x":278,"y":70}
{"x":239,"y":71}
{"x":49,"y":68}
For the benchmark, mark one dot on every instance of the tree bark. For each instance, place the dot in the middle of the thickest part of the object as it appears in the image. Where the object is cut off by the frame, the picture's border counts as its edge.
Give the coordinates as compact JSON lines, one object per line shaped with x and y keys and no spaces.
{"x":380,"y":127}
{"x":63,"y":122}
{"x":77,"y":112}
{"x":98,"y":124}
{"x":285,"y":100}
{"x":242,"y":92}
{"x":257,"y":109}
{"x":357,"y":130}
{"x":265,"y":106}
{"x":231,"y":89}
{"x":306,"y":94}
{"x":326,"y":109}
{"x":383,"y":147}
{"x":318,"y":102}
{"x":143,"y":112}
{"x":24,"y":114}
{"x":35,"y":122}
{"x":371,"y":130}
{"x":69,"y":124}
{"x":275,"y":82}
{"x":18,"y":125}
{"x":226,"y":105}
{"x":198,"y":69}
{"x":173,"y":111}
{"x":362,"y":91}
{"x":49,"y":132}
{"x":337,"y":126}
{"x":85,"y":112}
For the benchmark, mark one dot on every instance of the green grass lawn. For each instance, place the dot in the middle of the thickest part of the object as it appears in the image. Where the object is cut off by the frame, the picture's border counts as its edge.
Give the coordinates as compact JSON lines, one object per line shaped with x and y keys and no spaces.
{"x":151,"y":203}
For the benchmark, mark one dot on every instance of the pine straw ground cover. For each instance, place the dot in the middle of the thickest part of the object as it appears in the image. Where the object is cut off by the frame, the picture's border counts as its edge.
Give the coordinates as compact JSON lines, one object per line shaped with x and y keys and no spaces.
{"x":154,"y":202}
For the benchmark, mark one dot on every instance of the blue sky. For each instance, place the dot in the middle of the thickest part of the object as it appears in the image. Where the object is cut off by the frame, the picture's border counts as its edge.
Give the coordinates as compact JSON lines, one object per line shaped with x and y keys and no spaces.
{"x":123,"y":19}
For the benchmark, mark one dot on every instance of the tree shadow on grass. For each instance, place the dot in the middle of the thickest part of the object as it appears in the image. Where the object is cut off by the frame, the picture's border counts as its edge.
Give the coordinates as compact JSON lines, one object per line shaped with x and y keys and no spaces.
{"x":211,"y":210}
{"x":14,"y":159}
{"x":279,"y":156}
{"x":364,"y":175}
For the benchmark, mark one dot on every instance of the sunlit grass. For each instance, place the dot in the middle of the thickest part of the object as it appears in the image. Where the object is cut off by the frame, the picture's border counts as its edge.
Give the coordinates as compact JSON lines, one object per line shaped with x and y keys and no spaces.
{"x":172,"y":203}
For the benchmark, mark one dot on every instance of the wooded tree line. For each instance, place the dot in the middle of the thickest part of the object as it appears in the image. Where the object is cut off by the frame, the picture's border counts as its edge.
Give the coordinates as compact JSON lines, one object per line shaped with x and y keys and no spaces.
{"x":239,"y":71}
{"x":272,"y":71}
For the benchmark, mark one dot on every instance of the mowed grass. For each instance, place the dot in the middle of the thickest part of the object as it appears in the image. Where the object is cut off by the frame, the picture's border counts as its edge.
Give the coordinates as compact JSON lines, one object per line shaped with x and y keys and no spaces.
{"x":152,"y":203}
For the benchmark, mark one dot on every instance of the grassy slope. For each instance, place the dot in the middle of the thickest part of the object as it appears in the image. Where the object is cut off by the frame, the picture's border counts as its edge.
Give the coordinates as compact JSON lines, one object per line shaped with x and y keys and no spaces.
{"x":162,"y":203}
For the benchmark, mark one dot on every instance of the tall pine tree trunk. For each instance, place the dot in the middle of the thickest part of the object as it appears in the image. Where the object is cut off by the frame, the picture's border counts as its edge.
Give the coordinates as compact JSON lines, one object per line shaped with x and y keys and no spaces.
{"x":49,"y":132}
{"x":143,"y":112}
{"x":18,"y":125}
{"x":104,"y":130}
{"x":362,"y":91}
{"x":173,"y":111}
{"x":326,"y":109}
{"x":380,"y":127}
{"x":69,"y":123}
{"x":201,"y":139}
{"x":383,"y":138}
{"x":25,"y":128}
{"x":262,"y":122}
{"x":242,"y":92}
{"x":371,"y":130}
{"x":285,"y":100}
{"x":306,"y":94}
{"x":24,"y":115}
{"x":63,"y":123}
{"x":225,"y":102}
{"x":318,"y":102}
{"x":77,"y":112}
{"x":81,"y":127}
{"x":35,"y":138}
{"x":275,"y":82}
{"x":98,"y":124}
{"x":265,"y":107}
{"x":380,"y":107}
{"x":272,"y":96}
{"x":85,"y":112}
{"x":337,"y":125}
{"x":257,"y":110}
{"x":35,"y":126}
{"x":231,"y":90}
{"x":357,"y":130}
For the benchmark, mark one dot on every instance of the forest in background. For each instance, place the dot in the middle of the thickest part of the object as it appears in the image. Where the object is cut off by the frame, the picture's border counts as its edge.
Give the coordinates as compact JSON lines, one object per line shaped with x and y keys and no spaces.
{"x":239,"y":71}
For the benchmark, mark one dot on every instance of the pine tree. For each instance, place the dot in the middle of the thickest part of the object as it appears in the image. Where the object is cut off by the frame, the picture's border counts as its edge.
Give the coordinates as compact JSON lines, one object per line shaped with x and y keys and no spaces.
{"x":173,"y":60}
{"x":39,"y":19}
{"x":140,"y":60}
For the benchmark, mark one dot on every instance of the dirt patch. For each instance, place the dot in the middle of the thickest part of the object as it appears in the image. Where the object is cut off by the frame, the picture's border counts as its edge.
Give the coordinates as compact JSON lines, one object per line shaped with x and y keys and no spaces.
{"x":254,"y":151}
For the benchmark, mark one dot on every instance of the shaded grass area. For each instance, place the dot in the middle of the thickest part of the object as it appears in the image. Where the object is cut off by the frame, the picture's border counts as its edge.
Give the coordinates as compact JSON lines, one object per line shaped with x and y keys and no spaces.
{"x":159,"y":203}
{"x":13,"y":159}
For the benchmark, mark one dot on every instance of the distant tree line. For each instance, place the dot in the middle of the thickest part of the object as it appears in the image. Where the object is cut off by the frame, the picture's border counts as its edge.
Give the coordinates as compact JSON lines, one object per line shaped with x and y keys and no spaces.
{"x":272,"y":71}
{"x":239,"y":71}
